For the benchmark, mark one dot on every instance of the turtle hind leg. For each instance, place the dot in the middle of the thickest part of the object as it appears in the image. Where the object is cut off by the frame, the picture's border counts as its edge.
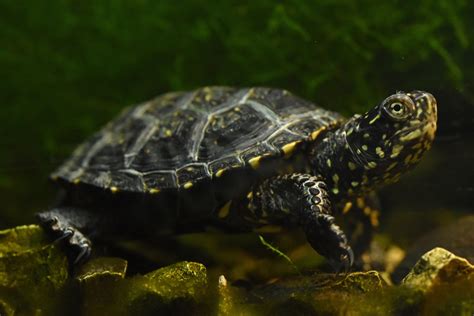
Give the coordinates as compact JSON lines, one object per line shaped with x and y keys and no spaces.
{"x":72,"y":228}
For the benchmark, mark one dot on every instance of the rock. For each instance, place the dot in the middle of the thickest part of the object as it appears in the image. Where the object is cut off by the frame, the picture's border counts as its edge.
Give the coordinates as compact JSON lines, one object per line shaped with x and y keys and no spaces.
{"x":324,"y":294}
{"x":225,"y":299}
{"x":32,"y":271}
{"x":315,"y":294}
{"x":103,"y":268}
{"x":173,"y":289}
{"x":437,"y":267}
{"x":100,"y":285}
{"x":457,"y":237}
{"x":441,"y":283}
{"x":180,"y":287}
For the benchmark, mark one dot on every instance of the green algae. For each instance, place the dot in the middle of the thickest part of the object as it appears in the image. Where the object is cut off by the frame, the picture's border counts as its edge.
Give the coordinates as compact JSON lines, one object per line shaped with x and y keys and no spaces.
{"x":172,"y":289}
{"x":32,"y":271}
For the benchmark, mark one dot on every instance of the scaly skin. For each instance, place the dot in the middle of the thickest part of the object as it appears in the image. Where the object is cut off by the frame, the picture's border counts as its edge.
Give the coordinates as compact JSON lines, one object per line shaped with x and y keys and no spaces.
{"x":303,"y":200}
{"x":366,"y":152}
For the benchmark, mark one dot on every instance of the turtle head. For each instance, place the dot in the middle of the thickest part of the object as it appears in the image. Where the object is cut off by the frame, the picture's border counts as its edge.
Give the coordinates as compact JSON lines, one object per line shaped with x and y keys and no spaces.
{"x":391,"y":138}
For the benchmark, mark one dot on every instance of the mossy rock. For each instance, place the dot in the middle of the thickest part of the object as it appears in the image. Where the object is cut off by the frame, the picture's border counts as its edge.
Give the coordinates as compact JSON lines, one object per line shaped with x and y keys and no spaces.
{"x":179,"y":288}
{"x":32,"y":271}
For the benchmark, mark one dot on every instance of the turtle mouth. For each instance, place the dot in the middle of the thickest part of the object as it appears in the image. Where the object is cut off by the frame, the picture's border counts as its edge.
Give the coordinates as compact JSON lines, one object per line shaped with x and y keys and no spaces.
{"x":418,"y":131}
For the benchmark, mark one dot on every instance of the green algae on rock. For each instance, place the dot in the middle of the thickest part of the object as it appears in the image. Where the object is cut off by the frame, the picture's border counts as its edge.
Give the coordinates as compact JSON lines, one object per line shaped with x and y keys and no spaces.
{"x":32,"y":271}
{"x":325,"y":293}
{"x":103,"y":268}
{"x":178,"y":287}
{"x":436,"y":267}
{"x":457,"y":237}
{"x":105,"y":290}
{"x":441,"y":283}
{"x":99,"y":279}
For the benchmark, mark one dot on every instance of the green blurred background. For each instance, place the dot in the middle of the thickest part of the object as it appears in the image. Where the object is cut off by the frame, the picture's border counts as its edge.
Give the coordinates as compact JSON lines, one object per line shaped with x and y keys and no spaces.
{"x":67,"y":67}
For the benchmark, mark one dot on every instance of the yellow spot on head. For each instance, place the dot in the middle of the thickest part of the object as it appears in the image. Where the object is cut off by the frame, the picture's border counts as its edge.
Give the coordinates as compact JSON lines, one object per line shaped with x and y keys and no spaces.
{"x":374,"y":119}
{"x":220,"y":172}
{"x":408,"y":159}
{"x":351,"y":165}
{"x":366,"y":135}
{"x":335,"y":178}
{"x":289,"y":148}
{"x":168,"y":133}
{"x":255,"y":162}
{"x":392,"y":166}
{"x":372,"y":164}
{"x":365,"y":179}
{"x":154,"y":191}
{"x":354,"y":183}
{"x":335,"y":190}
{"x":250,"y":195}
{"x":76,"y":181}
{"x":114,"y":189}
{"x":188,"y":185}
{"x":224,"y":211}
{"x":379,"y":152}
{"x":415,"y":134}
{"x":328,"y":162}
{"x":396,"y":151}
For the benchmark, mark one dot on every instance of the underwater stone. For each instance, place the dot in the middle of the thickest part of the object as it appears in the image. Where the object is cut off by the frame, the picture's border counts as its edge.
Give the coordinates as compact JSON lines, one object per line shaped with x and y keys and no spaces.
{"x":101,"y":286}
{"x":324,"y":294}
{"x":173,"y":289}
{"x":225,"y":305}
{"x":457,"y":238}
{"x":178,"y":287}
{"x":103,"y":268}
{"x":32,"y":271}
{"x":437,"y":267}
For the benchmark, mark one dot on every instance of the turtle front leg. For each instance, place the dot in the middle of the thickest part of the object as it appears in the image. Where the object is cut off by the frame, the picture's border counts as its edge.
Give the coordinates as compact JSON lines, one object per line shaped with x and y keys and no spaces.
{"x":66,"y":225}
{"x":302,"y":199}
{"x":361,"y":221}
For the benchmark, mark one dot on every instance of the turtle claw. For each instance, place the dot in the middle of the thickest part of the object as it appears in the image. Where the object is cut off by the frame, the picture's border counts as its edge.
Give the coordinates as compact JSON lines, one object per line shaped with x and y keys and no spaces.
{"x":345,"y":261}
{"x":84,"y":254}
{"x":77,"y":245}
{"x":330,"y":241}
{"x":66,"y":234}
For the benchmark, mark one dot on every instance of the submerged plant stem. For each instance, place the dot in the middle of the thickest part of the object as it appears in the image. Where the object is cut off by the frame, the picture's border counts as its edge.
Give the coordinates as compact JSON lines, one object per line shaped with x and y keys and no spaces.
{"x":278,"y":252}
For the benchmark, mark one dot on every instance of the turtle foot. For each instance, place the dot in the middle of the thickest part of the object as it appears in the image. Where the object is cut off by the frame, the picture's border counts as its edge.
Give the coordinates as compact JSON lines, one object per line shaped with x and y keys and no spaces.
{"x":78,"y":246}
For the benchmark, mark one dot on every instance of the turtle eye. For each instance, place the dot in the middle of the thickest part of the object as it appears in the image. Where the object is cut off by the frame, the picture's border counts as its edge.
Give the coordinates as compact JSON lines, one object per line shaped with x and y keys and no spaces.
{"x":397,"y":110}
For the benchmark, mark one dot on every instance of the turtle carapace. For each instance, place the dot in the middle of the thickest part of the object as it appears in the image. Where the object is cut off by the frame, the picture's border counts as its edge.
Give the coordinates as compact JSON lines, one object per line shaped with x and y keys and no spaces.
{"x":238,"y":159}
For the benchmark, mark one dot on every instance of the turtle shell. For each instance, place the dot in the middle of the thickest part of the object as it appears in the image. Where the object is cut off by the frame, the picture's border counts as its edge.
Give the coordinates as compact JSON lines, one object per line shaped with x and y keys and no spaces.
{"x":182,"y":138}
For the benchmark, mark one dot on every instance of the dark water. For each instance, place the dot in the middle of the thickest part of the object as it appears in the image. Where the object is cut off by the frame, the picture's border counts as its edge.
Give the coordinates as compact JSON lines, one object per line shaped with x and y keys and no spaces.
{"x":68,"y":67}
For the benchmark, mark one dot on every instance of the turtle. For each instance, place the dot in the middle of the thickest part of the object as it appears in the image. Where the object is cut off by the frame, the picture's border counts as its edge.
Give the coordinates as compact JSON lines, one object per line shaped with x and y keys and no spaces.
{"x":238,"y":159}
